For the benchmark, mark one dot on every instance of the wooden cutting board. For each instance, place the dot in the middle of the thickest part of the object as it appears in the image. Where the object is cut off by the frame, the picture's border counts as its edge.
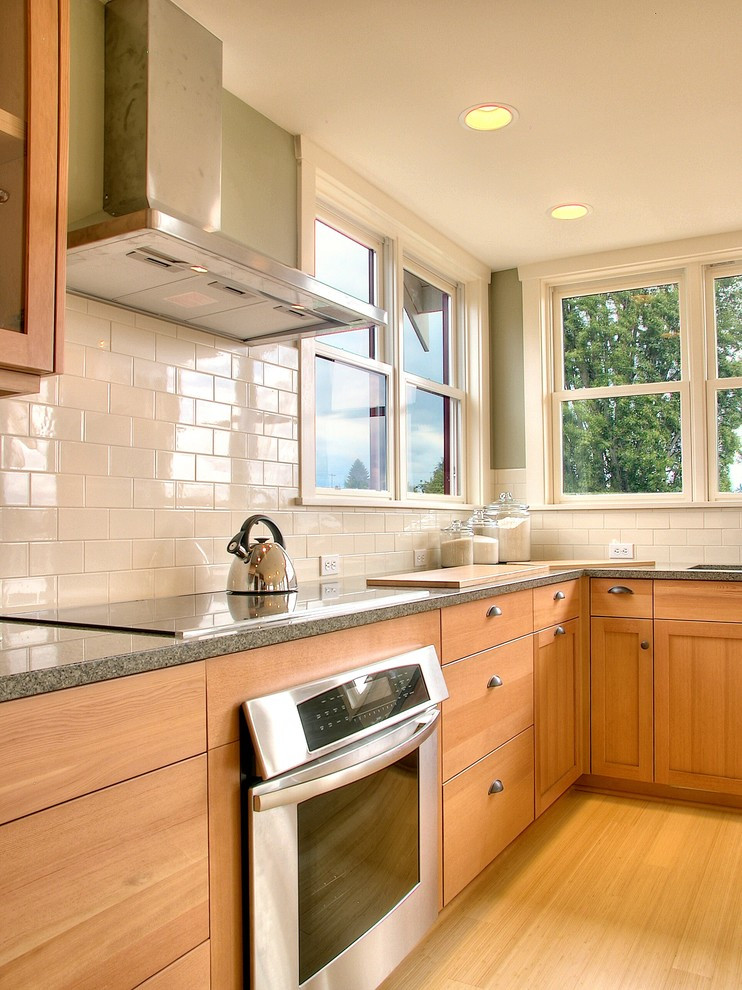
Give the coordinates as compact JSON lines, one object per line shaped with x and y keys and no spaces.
{"x":558,"y":565}
{"x":456,"y":577}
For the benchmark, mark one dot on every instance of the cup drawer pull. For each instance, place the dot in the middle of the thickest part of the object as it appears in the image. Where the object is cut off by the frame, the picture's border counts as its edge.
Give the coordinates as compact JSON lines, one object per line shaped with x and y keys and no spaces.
{"x":494,"y":681}
{"x":559,"y":596}
{"x":620,"y":589}
{"x":493,"y":610}
{"x":496,"y":787}
{"x":560,"y":631}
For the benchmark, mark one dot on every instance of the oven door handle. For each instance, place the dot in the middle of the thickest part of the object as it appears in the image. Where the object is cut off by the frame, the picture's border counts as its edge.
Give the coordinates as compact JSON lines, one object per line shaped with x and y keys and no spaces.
{"x":286,"y":790}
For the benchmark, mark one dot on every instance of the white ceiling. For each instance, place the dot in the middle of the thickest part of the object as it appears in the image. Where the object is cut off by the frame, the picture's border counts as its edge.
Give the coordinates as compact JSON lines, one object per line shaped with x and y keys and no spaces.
{"x":633,"y":106}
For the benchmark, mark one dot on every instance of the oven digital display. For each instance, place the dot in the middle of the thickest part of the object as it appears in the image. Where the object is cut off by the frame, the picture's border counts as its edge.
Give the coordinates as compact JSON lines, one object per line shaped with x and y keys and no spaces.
{"x":360,"y":703}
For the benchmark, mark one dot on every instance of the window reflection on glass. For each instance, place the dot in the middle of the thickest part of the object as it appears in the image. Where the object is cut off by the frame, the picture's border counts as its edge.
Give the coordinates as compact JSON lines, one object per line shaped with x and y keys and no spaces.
{"x":728,"y":304}
{"x":729,"y":439}
{"x":432,"y":443}
{"x":427,"y":330}
{"x":622,"y":337}
{"x":348,"y":265}
{"x":351,"y":418}
{"x":628,"y":444}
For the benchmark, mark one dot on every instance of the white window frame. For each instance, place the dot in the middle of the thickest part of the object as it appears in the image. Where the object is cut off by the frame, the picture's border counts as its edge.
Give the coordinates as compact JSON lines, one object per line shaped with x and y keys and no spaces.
{"x":327,"y":190}
{"x":688,"y":262}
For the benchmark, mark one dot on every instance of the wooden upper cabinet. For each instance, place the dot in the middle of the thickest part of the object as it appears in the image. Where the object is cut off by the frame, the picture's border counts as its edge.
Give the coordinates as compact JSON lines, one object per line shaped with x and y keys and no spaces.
{"x":33,"y":189}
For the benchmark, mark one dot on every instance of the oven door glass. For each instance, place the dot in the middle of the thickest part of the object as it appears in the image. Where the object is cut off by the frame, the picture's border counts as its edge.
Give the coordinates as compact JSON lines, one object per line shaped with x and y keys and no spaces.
{"x":358,"y":858}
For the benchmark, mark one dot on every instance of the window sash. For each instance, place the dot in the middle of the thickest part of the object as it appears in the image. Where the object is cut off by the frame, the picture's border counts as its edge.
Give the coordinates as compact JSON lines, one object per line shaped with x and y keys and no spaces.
{"x":715,"y":384}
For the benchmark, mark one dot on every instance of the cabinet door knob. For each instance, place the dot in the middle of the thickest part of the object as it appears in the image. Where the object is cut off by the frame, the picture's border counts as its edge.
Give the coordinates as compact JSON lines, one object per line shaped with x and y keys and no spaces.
{"x":496,"y":787}
{"x":494,"y":610}
{"x":4,"y":195}
{"x":494,"y":681}
{"x":559,"y":631}
{"x":559,"y":596}
{"x":644,"y":644}
{"x":620,"y":589}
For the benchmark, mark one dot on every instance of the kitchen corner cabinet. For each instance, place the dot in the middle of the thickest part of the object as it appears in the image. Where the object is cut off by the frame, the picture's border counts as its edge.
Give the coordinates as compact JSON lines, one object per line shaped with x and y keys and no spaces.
{"x":104,"y":867}
{"x":33,"y":214}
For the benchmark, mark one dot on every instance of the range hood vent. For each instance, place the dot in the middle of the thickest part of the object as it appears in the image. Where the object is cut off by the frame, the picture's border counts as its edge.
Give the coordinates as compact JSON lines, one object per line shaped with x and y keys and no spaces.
{"x":160,"y":253}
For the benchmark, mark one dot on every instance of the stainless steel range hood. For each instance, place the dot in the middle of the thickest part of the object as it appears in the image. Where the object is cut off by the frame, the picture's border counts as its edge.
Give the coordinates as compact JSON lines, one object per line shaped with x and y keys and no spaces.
{"x":160,"y":252}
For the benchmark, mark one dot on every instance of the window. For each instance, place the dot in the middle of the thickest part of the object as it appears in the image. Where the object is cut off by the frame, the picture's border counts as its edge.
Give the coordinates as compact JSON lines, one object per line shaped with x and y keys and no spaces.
{"x":639,"y":378}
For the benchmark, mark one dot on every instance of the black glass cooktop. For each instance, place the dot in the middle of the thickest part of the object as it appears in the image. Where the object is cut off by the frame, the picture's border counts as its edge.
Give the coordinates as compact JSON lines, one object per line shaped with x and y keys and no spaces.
{"x":194,"y":616}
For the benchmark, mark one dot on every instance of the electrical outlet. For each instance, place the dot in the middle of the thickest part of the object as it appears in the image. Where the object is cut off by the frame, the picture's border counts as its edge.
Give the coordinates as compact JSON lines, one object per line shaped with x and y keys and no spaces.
{"x":329,"y":565}
{"x":622,"y":551}
{"x":421,"y":558}
{"x":329,"y":590}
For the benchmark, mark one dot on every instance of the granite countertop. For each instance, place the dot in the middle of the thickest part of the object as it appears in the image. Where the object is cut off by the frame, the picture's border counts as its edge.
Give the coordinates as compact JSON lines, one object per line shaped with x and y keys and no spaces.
{"x":36,"y":659}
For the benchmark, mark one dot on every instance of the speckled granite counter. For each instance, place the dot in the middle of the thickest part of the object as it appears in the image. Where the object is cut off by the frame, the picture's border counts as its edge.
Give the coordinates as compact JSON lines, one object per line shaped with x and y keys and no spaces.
{"x":37,"y":659}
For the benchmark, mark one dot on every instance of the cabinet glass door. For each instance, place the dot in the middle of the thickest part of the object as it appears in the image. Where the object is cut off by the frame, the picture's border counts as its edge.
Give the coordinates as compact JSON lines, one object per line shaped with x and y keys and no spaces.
{"x":13,"y":158}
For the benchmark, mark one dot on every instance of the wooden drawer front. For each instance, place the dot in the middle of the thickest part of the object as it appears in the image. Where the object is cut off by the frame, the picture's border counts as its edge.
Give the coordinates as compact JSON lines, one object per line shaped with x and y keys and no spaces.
{"x":635,"y":602}
{"x":109,"y":889}
{"x":477,"y":626}
{"x":191,"y":972}
{"x":709,"y":601}
{"x":58,"y":746}
{"x":555,"y":603}
{"x":478,"y":825}
{"x":478,"y":718}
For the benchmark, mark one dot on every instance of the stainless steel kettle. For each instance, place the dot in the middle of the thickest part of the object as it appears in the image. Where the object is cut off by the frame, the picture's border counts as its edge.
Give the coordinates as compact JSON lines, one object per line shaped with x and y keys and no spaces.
{"x":261,"y":567}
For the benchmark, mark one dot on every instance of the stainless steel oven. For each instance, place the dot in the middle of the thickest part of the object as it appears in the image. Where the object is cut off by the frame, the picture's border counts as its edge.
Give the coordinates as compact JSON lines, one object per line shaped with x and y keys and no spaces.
{"x":341,"y":825}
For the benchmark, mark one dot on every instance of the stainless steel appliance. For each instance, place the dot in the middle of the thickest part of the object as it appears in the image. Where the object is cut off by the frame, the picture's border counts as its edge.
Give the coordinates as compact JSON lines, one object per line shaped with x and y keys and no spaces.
{"x":341,"y":825}
{"x":260,"y":567}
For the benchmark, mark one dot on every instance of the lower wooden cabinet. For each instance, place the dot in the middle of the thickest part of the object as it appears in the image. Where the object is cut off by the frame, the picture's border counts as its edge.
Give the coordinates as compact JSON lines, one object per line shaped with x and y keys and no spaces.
{"x":484,"y":809}
{"x":698,"y":701}
{"x":557,"y":711}
{"x":108,"y":889}
{"x":622,"y":698}
{"x":190,"y":972}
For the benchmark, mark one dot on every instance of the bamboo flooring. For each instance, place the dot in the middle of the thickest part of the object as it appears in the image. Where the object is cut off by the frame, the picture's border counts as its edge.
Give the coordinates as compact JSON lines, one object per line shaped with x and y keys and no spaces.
{"x":602,"y":893}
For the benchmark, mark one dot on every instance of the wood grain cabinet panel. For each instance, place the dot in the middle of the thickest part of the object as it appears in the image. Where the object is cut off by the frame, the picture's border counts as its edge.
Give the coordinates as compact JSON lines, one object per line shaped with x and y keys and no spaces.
{"x":622,"y":698}
{"x":480,"y":820}
{"x":190,"y":972}
{"x":621,"y":596}
{"x":703,"y":601}
{"x":698,"y":705}
{"x":554,"y":603}
{"x":108,"y":889}
{"x":62,"y":745}
{"x":490,"y":700}
{"x":480,"y":625}
{"x":557,"y":668}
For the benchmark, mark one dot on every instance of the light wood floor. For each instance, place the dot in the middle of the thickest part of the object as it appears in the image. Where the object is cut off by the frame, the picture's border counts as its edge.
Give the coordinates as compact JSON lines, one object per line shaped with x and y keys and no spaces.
{"x":602,"y":893}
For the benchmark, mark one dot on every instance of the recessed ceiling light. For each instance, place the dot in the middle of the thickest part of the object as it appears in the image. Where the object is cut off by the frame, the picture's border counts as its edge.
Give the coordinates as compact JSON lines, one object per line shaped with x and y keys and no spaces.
{"x":488,"y":116}
{"x":570,"y":211}
{"x":199,"y":269}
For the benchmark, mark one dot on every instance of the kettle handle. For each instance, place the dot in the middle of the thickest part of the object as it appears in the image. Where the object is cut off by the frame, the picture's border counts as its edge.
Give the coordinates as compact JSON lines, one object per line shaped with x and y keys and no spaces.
{"x":274,"y":530}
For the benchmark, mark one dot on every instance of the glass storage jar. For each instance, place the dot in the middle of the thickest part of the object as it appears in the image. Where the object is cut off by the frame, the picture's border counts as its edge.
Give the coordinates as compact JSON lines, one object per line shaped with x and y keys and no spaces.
{"x":484,"y":537}
{"x":513,"y":527}
{"x":457,"y":548}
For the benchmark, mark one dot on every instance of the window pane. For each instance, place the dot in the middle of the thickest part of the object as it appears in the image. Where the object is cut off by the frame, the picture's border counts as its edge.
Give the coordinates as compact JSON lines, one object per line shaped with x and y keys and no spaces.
{"x":432,"y":443}
{"x":427,"y":319}
{"x":728,"y":301}
{"x":629,"y":444}
{"x":351,"y":427}
{"x":349,"y":265}
{"x":729,"y":439}
{"x":626,"y":337}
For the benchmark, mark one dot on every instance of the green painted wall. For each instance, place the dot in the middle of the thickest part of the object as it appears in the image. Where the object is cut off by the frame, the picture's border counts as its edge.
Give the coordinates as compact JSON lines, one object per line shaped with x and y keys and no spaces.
{"x":506,"y":371}
{"x":259,"y":171}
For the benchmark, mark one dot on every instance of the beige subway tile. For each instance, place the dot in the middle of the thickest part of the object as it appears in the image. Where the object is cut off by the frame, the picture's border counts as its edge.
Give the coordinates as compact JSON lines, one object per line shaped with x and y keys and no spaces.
{"x":14,"y":417}
{"x":174,"y":408}
{"x":83,"y":458}
{"x":720,"y":555}
{"x":153,"y":435}
{"x":74,"y":359}
{"x":110,"y":312}
{"x":669,"y":537}
{"x":274,"y":376}
{"x":194,"y":439}
{"x":615,"y":519}
{"x":153,"y":375}
{"x":706,"y":537}
{"x":247,"y":369}
{"x":288,"y":355}
{"x":296,"y":546}
{"x":260,"y":397}
{"x":232,"y":497}
{"x":28,"y":524}
{"x":109,"y":493}
{"x":82,"y":589}
{"x":102,"y":366}
{"x":107,"y":428}
{"x":154,"y":494}
{"x":262,"y":448}
{"x":15,"y":488}
{"x":247,"y":472}
{"x":83,"y":524}
{"x":306,"y":570}
{"x":730,"y":537}
{"x":644,"y":551}
{"x":232,"y":392}
{"x":686,"y":519}
{"x":364,"y":543}
{"x":288,"y":404}
{"x":263,"y":498}
{"x":175,"y":467}
{"x":134,"y":524}
{"x":83,"y":393}
{"x":108,"y":555}
{"x":287,"y":496}
{"x":88,"y":330}
{"x":265,"y":352}
{"x":174,"y":523}
{"x":682,"y":555}
{"x":218,"y":525}
{"x":131,"y":340}
{"x":652,"y":519}
{"x":173,"y":350}
{"x":28,"y":454}
{"x":589,"y":537}
{"x":213,"y":414}
{"x":197,"y":336}
{"x":22,"y":591}
{"x":194,"y":495}
{"x":247,"y":420}
{"x":210,"y":577}
{"x":384,"y":542}
{"x":125,"y":586}
{"x":228,"y":444}
{"x":129,"y":401}
{"x":211,"y":468}
{"x":192,"y":552}
{"x":721,"y":519}
{"x":55,"y":558}
{"x":275,"y":425}
{"x":56,"y":422}
{"x":128,"y":462}
{"x":14,"y":560}
{"x":213,"y":361}
{"x":75,"y":304}
{"x":153,"y":553}
{"x":171,"y":581}
{"x":277,"y":473}
{"x":166,"y":328}
{"x":195,"y":384}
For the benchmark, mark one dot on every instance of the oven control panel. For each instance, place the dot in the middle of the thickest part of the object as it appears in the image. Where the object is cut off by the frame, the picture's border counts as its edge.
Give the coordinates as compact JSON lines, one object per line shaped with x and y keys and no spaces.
{"x":360,"y":702}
